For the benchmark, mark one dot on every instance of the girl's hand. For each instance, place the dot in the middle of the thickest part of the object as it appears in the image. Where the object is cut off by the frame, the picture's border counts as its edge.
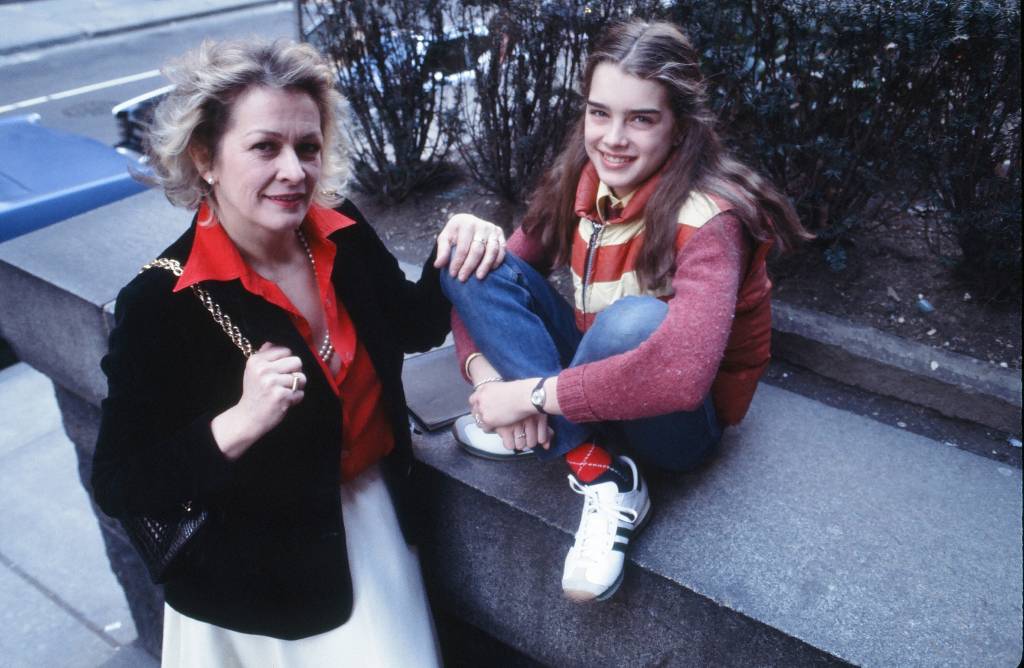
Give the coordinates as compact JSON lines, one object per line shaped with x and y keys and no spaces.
{"x":478,"y":246}
{"x":531,"y":431}
{"x":504,"y":404}
{"x":272,"y":383}
{"x":527,"y":434}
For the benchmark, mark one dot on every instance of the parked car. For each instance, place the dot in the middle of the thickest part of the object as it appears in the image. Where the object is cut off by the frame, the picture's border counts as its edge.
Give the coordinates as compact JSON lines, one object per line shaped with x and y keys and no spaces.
{"x":48,"y":175}
{"x":133,"y":118}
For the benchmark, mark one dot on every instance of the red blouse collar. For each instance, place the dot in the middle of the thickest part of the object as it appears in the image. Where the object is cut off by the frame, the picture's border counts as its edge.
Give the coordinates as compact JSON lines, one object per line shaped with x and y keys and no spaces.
{"x":214,"y":257}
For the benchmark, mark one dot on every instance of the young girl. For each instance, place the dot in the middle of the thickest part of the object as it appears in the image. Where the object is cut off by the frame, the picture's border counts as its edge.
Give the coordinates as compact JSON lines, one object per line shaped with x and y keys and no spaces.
{"x":666,"y":236}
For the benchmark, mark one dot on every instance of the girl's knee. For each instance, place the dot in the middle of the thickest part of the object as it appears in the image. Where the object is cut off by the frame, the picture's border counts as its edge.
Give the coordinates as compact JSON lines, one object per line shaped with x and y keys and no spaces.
{"x":628,"y":322}
{"x":450,"y":285}
{"x":507,"y":271}
{"x":472,"y":287}
{"x":639,"y":307}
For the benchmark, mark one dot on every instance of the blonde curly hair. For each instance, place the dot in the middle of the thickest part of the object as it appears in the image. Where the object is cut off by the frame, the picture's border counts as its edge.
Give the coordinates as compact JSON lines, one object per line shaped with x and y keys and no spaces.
{"x":207,"y":82}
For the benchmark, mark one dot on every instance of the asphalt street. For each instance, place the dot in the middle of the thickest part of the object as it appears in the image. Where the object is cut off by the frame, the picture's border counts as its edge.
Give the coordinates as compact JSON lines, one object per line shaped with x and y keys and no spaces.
{"x":100,"y":62}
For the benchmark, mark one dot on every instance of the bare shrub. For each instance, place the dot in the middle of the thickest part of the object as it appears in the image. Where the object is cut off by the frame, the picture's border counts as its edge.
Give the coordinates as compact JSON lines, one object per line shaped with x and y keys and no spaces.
{"x":385,"y":52}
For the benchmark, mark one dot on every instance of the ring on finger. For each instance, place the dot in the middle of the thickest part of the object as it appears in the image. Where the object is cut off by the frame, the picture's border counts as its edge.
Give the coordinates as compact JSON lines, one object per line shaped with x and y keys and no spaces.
{"x":295,"y":381}
{"x":479,"y":240}
{"x":520,"y":435}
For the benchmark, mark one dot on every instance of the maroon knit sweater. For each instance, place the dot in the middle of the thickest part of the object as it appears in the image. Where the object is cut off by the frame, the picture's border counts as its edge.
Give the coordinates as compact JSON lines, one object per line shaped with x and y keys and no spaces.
{"x":674,"y":369}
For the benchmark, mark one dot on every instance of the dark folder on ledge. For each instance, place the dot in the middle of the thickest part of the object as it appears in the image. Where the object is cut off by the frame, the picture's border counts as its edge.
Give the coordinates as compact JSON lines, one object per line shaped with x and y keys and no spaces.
{"x":434,"y":388}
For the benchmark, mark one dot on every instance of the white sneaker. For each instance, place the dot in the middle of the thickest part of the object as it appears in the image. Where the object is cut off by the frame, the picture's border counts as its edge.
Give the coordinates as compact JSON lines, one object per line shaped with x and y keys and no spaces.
{"x":476,"y":441}
{"x":593,"y":567}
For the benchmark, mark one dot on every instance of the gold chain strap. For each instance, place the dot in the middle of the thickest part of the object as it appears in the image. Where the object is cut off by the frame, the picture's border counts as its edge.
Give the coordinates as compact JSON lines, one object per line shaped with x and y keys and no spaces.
{"x":221,"y":318}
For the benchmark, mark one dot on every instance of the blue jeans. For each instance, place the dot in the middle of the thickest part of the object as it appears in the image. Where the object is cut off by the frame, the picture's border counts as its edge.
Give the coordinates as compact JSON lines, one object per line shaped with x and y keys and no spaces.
{"x":526,"y":330}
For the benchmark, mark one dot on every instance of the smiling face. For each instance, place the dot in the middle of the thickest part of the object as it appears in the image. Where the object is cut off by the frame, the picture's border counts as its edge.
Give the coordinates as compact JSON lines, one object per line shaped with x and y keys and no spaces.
{"x":629,"y":127}
{"x":267,"y":164}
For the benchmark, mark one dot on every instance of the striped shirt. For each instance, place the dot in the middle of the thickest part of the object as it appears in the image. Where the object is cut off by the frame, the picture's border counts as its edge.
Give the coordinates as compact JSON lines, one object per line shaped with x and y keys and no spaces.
{"x":605,"y":251}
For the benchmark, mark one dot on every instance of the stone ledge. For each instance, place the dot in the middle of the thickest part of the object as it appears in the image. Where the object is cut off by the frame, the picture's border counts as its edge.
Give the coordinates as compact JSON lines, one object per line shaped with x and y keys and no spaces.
{"x":817,"y":536}
{"x":59,"y":283}
{"x":958,"y":386}
{"x":498,"y":567}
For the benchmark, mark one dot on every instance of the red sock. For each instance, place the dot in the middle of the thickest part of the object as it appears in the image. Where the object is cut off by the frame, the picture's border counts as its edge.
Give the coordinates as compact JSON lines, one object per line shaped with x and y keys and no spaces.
{"x":588,"y":461}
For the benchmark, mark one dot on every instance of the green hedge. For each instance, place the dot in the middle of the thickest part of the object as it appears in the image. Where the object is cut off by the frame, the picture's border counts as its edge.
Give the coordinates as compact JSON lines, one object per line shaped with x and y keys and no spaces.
{"x":863,"y":111}
{"x":860,"y":110}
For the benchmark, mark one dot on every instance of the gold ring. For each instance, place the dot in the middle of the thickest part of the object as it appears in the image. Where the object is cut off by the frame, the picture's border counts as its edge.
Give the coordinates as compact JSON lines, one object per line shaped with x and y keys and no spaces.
{"x":295,"y":381}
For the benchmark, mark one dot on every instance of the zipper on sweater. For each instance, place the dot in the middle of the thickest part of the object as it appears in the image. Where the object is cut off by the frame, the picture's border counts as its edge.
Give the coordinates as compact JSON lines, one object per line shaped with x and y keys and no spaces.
{"x":588,"y":264}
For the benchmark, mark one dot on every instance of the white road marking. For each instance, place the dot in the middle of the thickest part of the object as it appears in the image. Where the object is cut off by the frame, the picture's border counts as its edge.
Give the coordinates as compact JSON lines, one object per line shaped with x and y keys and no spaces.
{"x":110,"y":83}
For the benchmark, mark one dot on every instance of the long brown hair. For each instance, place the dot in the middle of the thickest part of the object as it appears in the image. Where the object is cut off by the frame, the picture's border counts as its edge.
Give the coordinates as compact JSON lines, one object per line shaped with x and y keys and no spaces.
{"x":660,"y":52}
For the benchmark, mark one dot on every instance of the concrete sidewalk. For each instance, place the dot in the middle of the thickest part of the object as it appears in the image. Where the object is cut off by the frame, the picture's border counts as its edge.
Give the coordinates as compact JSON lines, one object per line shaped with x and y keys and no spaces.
{"x":43,"y":23}
{"x":62,"y":605}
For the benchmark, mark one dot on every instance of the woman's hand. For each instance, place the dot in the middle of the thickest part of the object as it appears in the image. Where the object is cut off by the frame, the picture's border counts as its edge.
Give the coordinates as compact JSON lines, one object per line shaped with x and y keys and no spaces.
{"x":272,"y":383}
{"x":478,"y":246}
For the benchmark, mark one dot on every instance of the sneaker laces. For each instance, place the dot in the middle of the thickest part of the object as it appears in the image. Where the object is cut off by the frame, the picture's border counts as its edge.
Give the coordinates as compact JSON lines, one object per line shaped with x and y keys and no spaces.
{"x":599,"y":522}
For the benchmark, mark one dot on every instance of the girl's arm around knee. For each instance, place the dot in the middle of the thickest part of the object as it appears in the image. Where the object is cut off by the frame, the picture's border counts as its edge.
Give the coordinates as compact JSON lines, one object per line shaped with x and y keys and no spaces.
{"x":674,"y":368}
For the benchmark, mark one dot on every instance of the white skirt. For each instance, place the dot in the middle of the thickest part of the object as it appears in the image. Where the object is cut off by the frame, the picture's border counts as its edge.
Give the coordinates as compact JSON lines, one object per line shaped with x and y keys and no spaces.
{"x":390,"y":624}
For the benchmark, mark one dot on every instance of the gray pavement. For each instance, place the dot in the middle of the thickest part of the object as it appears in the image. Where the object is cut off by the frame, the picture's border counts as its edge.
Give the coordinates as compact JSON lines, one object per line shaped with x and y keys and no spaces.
{"x":43,"y":23}
{"x":62,"y":605}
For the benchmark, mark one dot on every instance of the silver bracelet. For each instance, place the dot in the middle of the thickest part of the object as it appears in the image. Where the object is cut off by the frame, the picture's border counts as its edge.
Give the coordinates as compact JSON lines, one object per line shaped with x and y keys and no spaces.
{"x":491,"y":379}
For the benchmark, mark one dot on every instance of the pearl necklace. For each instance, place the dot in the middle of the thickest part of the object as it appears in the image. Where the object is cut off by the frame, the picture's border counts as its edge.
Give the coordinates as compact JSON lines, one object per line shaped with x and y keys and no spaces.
{"x":326,"y":350}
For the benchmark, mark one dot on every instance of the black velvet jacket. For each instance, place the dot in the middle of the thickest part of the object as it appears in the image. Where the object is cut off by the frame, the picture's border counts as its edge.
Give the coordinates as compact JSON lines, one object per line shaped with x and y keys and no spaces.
{"x":272,"y":560}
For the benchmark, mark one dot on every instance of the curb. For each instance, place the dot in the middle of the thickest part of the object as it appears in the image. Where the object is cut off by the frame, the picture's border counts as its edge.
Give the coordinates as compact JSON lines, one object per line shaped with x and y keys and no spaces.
{"x":81,"y":34}
{"x":955,"y":385}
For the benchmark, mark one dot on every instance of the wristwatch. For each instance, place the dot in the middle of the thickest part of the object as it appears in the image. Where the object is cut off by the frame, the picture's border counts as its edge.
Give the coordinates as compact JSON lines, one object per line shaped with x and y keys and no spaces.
{"x":538,"y":396}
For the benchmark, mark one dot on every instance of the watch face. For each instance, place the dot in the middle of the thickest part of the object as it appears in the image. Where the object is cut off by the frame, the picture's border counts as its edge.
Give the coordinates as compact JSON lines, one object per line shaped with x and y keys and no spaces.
{"x":538,"y":396}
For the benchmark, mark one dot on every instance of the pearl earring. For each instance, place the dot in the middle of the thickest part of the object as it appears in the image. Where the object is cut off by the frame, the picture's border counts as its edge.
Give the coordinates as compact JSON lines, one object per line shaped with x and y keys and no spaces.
{"x":209,"y":179}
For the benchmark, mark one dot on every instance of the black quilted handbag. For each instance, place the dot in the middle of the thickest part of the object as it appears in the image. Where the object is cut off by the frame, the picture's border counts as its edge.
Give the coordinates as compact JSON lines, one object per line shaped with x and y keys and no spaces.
{"x":161,"y":540}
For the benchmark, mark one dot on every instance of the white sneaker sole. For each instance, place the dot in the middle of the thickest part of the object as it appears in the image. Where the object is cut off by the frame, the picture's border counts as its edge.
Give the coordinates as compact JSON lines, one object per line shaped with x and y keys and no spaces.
{"x":466,"y":444}
{"x":583,"y":597}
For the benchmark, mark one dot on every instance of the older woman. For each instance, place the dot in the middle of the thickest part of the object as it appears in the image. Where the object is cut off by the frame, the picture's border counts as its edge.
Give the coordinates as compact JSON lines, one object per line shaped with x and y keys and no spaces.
{"x":282,"y":573}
